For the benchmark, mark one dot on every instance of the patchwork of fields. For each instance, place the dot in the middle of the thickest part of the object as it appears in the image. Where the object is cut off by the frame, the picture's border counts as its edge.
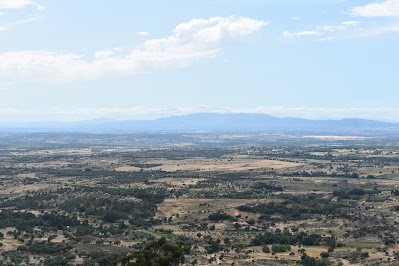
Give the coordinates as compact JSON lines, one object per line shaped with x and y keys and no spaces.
{"x":327,"y":204}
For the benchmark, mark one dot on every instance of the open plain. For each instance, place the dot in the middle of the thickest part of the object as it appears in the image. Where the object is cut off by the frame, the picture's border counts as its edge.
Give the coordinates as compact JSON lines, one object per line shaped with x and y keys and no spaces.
{"x":330,"y":203}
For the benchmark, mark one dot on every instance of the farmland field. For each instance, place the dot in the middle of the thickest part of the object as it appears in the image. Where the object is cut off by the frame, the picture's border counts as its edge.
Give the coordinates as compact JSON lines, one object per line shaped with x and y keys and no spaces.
{"x":332,"y":203}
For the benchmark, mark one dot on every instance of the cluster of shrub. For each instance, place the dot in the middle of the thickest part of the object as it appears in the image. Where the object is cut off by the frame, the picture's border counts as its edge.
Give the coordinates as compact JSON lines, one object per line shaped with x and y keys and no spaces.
{"x":296,"y":207}
{"x":45,"y":247}
{"x":285,"y":237}
{"x":24,"y":221}
{"x":323,"y":174}
{"x":355,"y":194}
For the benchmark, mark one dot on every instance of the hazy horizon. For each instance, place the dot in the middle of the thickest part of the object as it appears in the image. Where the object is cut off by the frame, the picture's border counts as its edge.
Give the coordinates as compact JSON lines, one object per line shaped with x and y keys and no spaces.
{"x":160,"y":116}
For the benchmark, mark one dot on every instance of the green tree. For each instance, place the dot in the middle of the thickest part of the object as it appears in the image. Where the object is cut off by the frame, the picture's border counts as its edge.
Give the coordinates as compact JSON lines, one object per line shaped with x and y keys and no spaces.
{"x":157,"y":253}
{"x":324,"y":255}
{"x":266,"y":249}
{"x":280,"y":248}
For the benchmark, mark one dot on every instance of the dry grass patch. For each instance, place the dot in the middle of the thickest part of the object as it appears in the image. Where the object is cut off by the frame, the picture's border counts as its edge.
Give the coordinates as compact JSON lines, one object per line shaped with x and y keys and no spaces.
{"x":128,"y":169}
{"x":9,"y":243}
{"x":179,"y":182}
{"x":23,"y":189}
{"x":171,"y":207}
{"x":314,"y":251}
{"x":201,"y":164}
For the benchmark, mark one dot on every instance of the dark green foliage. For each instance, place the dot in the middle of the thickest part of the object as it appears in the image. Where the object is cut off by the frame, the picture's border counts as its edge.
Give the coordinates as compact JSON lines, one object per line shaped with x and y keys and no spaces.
{"x":281,"y":248}
{"x":287,"y":238}
{"x":159,"y":252}
{"x":145,"y":165}
{"x":355,"y":194}
{"x":101,"y":258}
{"x":296,"y":207}
{"x":266,"y":249}
{"x":218,"y":216}
{"x":84,"y":229}
{"x":15,"y":257}
{"x":395,"y":192}
{"x":59,"y":261}
{"x":310,"y":261}
{"x":24,"y":220}
{"x":113,"y":207}
{"x":324,"y":255}
{"x":59,"y":221}
{"x":388,"y":239}
{"x":45,"y":247}
{"x":267,"y":187}
{"x":213,"y":246}
{"x":323,"y":174}
{"x":331,"y":243}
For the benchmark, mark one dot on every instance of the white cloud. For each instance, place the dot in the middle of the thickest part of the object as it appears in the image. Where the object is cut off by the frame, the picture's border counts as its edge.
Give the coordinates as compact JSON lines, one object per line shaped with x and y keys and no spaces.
{"x":295,"y":18}
{"x":322,"y":30}
{"x":103,"y":54}
{"x":343,"y":26}
{"x":217,"y":29}
{"x":27,"y":20}
{"x":287,"y":34}
{"x":389,"y":8}
{"x":377,"y":31}
{"x":18,"y":22}
{"x":15,"y":4}
{"x":331,"y":28}
{"x":351,"y":23}
{"x":326,"y":39}
{"x":19,"y":4}
{"x":143,"y":33}
{"x":191,"y":41}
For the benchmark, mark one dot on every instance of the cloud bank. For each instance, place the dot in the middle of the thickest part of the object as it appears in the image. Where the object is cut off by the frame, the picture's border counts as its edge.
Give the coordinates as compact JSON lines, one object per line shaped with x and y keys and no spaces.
{"x":15,"y":4}
{"x":190,"y":42}
{"x":389,"y":8}
{"x":322,"y":30}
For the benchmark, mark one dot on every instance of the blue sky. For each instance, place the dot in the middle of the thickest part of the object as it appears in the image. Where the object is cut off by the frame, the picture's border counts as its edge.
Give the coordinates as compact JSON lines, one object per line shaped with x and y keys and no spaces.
{"x":127,"y":59}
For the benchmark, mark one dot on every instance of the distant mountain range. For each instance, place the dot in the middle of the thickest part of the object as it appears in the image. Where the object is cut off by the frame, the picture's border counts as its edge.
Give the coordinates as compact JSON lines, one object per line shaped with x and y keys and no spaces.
{"x":211,"y":122}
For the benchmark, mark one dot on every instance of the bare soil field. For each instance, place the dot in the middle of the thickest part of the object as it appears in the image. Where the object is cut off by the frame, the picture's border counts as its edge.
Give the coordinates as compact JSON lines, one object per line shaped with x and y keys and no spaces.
{"x":200,"y":164}
{"x":179,"y":182}
{"x":171,"y":207}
